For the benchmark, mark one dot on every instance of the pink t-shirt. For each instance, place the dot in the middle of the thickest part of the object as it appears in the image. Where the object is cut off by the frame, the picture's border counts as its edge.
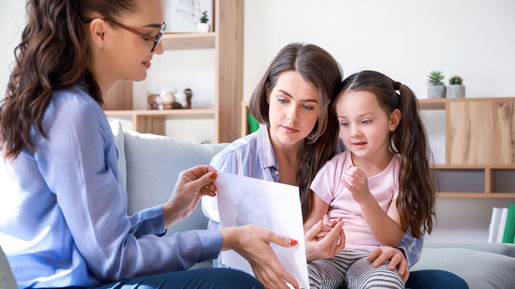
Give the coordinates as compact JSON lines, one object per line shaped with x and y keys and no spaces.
{"x":329,"y":186}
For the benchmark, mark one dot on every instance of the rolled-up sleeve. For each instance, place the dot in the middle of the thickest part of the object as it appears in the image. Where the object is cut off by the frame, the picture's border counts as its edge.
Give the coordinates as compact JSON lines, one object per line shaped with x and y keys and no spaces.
{"x":412,"y":248}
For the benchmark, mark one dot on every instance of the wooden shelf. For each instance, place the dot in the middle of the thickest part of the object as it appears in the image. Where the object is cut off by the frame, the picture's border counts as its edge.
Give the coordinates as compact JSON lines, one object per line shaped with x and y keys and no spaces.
{"x":227,"y":41}
{"x":477,"y":195}
{"x":440,"y":103}
{"x":180,"y":41}
{"x":169,"y":114}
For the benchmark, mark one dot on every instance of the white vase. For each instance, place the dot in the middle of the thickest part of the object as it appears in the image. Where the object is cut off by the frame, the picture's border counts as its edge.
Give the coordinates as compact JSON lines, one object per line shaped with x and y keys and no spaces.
{"x":455,"y":91}
{"x":203,"y":27}
{"x":436,"y":91}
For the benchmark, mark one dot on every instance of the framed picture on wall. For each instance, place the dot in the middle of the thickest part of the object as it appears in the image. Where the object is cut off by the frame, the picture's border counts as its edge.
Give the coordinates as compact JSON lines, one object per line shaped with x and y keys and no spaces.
{"x":184,"y":15}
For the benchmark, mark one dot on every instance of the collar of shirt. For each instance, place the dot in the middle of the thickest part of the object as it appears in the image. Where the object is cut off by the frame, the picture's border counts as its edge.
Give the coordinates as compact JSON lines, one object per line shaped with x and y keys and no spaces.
{"x":266,"y":152}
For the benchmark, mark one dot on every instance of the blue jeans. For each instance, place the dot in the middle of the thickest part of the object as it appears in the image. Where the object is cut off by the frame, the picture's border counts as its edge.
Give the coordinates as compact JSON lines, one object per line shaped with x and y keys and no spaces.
{"x":207,"y":278}
{"x":435,"y":279}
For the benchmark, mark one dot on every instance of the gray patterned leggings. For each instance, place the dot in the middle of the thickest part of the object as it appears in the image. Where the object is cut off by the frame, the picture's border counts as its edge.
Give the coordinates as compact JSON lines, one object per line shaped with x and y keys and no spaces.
{"x":350,"y":268}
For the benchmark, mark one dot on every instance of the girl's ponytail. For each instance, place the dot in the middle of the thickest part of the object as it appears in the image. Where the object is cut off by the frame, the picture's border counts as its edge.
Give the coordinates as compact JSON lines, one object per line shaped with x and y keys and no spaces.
{"x":416,"y":189}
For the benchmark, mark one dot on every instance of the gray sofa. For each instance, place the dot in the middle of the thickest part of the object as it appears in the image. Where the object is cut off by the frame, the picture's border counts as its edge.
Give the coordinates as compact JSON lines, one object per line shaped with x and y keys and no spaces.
{"x":150,"y":165}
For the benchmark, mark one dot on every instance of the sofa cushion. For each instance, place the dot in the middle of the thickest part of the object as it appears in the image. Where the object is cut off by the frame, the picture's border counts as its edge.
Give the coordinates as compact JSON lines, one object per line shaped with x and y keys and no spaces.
{"x":503,"y":249}
{"x":6,"y":275}
{"x":117,"y":130}
{"x":153,"y":165}
{"x":480,"y":269}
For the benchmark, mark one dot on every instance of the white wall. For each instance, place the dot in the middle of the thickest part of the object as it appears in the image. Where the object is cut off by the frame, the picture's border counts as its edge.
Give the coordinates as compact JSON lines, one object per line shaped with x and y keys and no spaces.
{"x":406,"y":40}
{"x":403,"y":38}
{"x":12,"y":21}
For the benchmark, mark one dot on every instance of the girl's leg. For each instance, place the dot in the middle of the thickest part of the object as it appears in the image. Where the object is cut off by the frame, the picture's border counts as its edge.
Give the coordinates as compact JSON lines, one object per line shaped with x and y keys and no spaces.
{"x":208,"y":278}
{"x":362,"y":274}
{"x":330,"y":273}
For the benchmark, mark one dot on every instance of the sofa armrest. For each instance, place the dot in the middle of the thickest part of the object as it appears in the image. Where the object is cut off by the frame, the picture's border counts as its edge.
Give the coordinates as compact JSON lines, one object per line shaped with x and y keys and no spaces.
{"x":6,"y":275}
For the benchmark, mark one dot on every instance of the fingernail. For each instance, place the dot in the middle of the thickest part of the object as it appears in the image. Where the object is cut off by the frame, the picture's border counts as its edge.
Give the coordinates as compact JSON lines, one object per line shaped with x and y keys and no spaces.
{"x":214,"y":188}
{"x":292,"y":242}
{"x":213,"y":175}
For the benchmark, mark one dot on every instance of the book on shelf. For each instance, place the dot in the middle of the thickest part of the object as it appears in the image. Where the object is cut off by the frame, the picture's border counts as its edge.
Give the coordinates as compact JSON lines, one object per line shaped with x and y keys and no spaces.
{"x":509,"y":230}
{"x":502,"y":225}
{"x":495,"y":222}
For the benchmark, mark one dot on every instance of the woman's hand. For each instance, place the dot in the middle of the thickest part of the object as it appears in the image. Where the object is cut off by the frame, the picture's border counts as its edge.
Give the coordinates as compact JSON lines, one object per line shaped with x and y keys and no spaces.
{"x":355,"y":180}
{"x":396,"y":257}
{"x":191,"y":185}
{"x":327,"y":247}
{"x":253,"y":243}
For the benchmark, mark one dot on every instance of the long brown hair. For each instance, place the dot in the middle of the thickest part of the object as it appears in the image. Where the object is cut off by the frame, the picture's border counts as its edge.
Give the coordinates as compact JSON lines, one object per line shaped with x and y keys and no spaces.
{"x":319,"y":68}
{"x":52,"y":55}
{"x":416,"y":190}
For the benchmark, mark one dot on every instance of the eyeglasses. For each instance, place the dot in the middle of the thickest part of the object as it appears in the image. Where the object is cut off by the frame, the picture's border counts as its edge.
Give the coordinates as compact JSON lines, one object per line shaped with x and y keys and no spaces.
{"x":147,"y":37}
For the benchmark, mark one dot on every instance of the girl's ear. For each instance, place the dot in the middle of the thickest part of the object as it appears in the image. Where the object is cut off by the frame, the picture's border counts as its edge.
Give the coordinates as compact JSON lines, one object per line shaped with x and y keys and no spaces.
{"x":97,"y":32}
{"x":395,"y":119}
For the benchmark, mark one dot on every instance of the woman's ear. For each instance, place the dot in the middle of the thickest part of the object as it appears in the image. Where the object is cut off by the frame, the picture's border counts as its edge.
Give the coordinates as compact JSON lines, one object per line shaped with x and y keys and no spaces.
{"x":395,"y":119}
{"x":97,"y":30}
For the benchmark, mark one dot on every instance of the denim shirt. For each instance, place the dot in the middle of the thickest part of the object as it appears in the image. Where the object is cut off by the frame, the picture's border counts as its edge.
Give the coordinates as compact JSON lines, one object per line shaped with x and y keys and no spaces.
{"x":253,"y":156}
{"x":63,"y":208}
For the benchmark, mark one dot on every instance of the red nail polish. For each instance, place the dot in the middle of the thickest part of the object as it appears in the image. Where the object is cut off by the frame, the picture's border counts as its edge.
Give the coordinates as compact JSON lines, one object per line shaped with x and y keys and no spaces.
{"x":213,"y":175}
{"x":292,"y":242}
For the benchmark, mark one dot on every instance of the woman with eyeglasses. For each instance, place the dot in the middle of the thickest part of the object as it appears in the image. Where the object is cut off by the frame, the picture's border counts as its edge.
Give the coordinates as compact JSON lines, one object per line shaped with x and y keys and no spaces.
{"x":63,"y":207}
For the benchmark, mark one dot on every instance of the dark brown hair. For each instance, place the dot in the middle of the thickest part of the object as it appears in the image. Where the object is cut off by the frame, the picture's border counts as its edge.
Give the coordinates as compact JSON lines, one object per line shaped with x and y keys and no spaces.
{"x":319,"y":68}
{"x":416,"y":190}
{"x":52,"y":55}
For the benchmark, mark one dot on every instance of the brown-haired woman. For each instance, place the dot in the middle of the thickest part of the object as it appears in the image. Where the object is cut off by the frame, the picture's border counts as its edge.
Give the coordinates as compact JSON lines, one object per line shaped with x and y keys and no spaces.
{"x":64,"y":207}
{"x":298,"y":136}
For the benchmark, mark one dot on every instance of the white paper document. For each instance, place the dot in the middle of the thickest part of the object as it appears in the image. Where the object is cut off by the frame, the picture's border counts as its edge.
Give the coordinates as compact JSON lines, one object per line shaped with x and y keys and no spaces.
{"x":275,"y":206}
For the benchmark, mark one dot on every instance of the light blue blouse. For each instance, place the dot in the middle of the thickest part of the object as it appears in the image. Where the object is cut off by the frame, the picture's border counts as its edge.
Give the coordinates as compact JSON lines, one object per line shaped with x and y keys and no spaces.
{"x":253,"y":156}
{"x":63,"y":208}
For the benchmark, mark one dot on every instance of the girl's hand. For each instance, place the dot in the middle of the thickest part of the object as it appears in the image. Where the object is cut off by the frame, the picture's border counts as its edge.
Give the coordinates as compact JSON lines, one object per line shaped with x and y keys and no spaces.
{"x":253,"y":243}
{"x":327,"y":226}
{"x":396,"y":257}
{"x":328,"y":246}
{"x":191,"y":185}
{"x":357,"y":183}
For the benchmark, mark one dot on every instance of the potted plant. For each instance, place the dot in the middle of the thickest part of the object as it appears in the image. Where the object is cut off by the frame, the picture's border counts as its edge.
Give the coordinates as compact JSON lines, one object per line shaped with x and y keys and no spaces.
{"x":203,"y":25}
{"x":436,"y":89}
{"x":456,"y":88}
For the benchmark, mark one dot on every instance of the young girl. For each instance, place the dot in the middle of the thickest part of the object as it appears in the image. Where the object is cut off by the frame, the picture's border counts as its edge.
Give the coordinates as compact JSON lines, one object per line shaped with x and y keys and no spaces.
{"x":381,"y":186}
{"x":63,"y":215}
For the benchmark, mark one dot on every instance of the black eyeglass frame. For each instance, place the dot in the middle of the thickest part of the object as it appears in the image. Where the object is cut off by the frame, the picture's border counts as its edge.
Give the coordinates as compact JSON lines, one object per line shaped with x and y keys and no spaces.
{"x":147,"y":37}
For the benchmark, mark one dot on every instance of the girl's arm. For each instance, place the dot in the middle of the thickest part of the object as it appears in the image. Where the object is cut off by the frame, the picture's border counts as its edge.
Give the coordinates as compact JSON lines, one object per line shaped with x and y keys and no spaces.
{"x":318,"y":211}
{"x":385,"y":226}
{"x":333,"y":240}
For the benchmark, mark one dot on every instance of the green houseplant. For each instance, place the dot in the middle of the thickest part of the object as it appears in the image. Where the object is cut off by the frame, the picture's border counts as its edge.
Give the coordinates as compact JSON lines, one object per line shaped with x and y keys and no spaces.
{"x":456,"y":89}
{"x":435,"y":89}
{"x":203,"y":25}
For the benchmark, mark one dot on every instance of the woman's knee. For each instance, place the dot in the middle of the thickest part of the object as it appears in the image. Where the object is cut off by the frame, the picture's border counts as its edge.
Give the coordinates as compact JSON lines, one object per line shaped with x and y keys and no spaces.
{"x":429,"y":279}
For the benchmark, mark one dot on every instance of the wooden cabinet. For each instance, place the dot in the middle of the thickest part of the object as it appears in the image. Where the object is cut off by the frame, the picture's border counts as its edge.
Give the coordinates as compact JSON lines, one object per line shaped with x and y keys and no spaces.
{"x":227,"y":40}
{"x":479,"y":147}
